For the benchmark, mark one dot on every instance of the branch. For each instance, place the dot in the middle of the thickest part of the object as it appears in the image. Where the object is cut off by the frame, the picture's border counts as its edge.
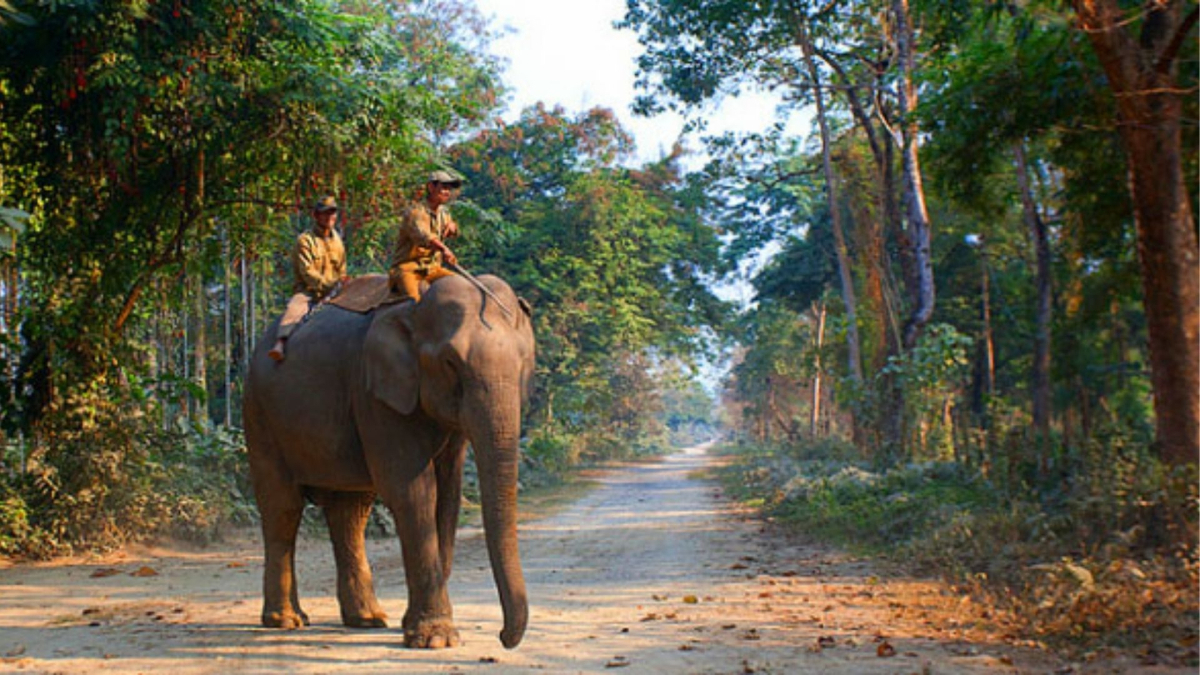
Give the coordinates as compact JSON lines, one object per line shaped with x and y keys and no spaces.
{"x":780,"y":179}
{"x":856,"y":106}
{"x":1163,"y":65}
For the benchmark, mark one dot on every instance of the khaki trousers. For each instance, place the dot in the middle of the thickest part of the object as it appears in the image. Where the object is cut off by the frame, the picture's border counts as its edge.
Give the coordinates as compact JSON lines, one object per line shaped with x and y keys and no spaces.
{"x":406,"y":278}
{"x":297,"y":307}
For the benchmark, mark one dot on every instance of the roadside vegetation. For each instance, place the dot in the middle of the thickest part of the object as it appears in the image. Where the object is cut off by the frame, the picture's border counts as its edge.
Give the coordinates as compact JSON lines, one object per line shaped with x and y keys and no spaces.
{"x":1086,"y":560}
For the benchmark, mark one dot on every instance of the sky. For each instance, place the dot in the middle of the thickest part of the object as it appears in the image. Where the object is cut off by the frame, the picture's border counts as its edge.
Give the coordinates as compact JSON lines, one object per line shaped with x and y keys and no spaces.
{"x":566,"y":52}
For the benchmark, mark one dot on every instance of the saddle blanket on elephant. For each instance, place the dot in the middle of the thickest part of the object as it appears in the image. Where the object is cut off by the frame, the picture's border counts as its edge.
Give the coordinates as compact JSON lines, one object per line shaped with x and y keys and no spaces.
{"x":363,"y":294}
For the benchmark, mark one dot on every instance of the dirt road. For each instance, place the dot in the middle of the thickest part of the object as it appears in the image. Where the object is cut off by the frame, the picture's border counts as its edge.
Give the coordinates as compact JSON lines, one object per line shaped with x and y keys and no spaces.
{"x":652,"y":572}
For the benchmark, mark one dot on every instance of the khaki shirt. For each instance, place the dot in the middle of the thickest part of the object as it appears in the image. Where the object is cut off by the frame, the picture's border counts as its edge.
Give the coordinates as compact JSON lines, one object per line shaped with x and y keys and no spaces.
{"x":318,"y":263}
{"x":417,"y":226}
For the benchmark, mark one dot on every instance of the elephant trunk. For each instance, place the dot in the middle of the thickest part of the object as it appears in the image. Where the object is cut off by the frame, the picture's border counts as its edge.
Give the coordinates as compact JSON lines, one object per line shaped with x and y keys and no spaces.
{"x":495,"y":438}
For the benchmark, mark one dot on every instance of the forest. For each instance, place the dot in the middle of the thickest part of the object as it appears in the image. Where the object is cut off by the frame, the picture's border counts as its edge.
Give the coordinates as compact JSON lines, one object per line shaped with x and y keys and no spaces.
{"x":979,"y":330}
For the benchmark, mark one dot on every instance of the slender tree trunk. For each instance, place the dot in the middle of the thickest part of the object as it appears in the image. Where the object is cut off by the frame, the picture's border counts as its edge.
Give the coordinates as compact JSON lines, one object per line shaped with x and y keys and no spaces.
{"x":845,"y":273}
{"x":228,"y":301}
{"x":8,"y":303}
{"x":816,"y":383}
{"x":875,"y":253}
{"x":914,"y":191}
{"x":989,"y":350}
{"x":1045,"y":297}
{"x":244,"y":288}
{"x":1142,"y":75}
{"x":200,"y":347}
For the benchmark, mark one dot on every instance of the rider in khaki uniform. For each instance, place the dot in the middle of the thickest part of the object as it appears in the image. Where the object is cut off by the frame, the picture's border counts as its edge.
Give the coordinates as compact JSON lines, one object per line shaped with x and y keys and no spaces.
{"x":318,"y":265}
{"x":419,"y":250}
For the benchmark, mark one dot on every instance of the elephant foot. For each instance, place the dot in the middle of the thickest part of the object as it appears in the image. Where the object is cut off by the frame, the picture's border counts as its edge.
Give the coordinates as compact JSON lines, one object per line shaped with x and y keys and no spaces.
{"x":287,"y":620}
{"x":376,"y":619}
{"x":431,"y":634}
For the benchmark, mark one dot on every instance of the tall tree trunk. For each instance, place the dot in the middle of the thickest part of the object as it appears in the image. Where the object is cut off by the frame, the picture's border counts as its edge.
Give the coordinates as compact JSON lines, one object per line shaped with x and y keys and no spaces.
{"x":815,"y":420}
{"x":845,"y":273}
{"x":10,"y":333}
{"x":199,"y":348}
{"x":989,"y":349}
{"x":1045,"y":297}
{"x":228,"y":301}
{"x":875,"y":253}
{"x":244,"y":287}
{"x":1142,"y":75}
{"x":914,"y":192}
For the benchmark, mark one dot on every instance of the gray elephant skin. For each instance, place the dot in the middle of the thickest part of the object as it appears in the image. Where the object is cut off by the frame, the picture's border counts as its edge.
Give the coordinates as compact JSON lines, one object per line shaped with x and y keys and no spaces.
{"x":385,"y":404}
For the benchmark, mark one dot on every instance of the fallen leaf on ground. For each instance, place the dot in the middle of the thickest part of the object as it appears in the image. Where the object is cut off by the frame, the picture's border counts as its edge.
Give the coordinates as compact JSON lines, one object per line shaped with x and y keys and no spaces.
{"x":105,"y":572}
{"x":650,"y":617}
{"x":235,"y":565}
{"x":15,"y":651}
{"x":487,"y":659}
{"x":686,"y":648}
{"x":617,"y":662}
{"x":885,"y":649}
{"x":144,"y":571}
{"x":826,"y":641}
{"x":658,"y":597}
{"x":751,"y":634}
{"x":737,"y":566}
{"x":690,"y":600}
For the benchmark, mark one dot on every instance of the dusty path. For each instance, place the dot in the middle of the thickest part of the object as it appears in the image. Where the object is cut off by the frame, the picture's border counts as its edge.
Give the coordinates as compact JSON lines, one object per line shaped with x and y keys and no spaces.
{"x":653,"y":572}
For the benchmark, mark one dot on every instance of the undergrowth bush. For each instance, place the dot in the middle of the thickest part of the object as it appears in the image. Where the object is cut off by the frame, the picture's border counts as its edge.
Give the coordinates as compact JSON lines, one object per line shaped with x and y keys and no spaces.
{"x":1102,"y":551}
{"x":102,"y":471}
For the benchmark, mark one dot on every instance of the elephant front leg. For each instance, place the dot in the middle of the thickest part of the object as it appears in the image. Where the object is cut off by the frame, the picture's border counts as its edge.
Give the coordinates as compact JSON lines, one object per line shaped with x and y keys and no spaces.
{"x":346,"y":513}
{"x":429,"y":621}
{"x":449,"y":490}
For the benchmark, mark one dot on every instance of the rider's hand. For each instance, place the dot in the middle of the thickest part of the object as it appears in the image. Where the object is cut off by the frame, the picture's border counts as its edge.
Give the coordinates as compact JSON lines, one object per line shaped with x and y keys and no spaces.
{"x":451,"y":230}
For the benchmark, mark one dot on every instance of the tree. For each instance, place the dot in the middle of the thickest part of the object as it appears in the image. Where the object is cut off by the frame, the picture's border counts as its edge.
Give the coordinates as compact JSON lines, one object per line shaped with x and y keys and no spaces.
{"x":1144,"y":76}
{"x":613,"y":261}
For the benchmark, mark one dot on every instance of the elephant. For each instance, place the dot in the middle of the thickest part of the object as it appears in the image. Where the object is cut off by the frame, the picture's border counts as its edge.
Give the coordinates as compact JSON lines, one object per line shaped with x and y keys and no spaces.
{"x":384,"y":404}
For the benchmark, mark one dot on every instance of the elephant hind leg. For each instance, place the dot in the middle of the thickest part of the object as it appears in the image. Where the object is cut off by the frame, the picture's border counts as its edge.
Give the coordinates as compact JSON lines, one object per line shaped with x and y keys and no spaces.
{"x":347,"y":513}
{"x":281,"y":507}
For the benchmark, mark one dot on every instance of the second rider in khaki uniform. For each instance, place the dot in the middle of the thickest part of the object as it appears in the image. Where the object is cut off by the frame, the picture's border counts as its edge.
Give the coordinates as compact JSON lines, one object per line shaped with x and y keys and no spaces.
{"x":420,"y":248}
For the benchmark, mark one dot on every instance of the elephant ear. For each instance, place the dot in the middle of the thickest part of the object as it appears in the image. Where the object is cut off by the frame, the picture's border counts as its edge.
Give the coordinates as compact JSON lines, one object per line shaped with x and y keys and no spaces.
{"x":389,"y":360}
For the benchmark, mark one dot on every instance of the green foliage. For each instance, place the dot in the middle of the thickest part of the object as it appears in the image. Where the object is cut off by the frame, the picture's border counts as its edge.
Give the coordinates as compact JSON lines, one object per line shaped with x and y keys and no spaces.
{"x":554,"y":451}
{"x":166,"y":155}
{"x":613,"y":262}
{"x":930,"y":375}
